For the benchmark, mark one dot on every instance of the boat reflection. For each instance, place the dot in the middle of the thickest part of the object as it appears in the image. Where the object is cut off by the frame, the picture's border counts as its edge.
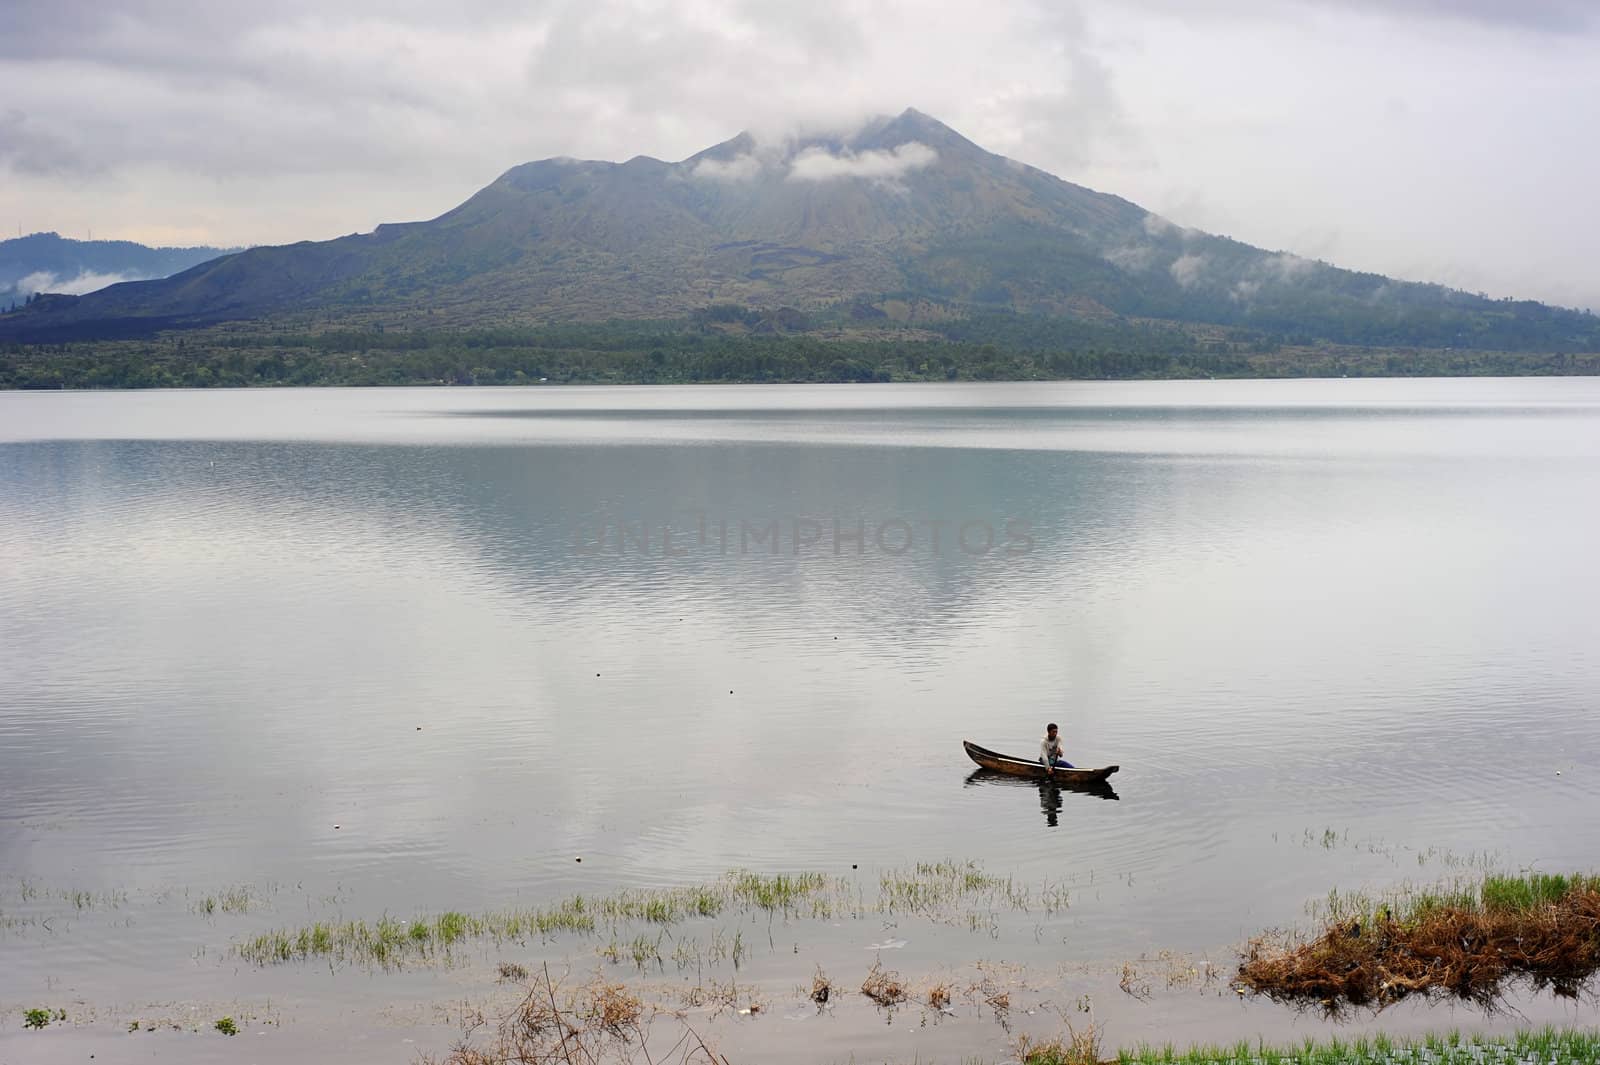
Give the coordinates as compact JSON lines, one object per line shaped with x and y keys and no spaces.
{"x":1050,"y":792}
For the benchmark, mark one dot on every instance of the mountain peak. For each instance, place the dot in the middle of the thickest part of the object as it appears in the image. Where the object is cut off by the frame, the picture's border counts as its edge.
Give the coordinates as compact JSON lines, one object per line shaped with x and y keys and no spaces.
{"x":878,"y":133}
{"x":921,"y":121}
{"x":888,"y":132}
{"x":899,"y":206}
{"x":743,"y":143}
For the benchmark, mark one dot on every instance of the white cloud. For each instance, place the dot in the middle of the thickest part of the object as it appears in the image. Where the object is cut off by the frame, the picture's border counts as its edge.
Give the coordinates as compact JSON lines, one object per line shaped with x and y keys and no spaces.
{"x":775,"y":153}
{"x":1188,"y":269}
{"x":1280,"y":269}
{"x":87,"y":281}
{"x":739,"y":168}
{"x":819,"y":164}
{"x":1287,"y":268}
{"x":1156,"y":226}
{"x":1134,"y":258}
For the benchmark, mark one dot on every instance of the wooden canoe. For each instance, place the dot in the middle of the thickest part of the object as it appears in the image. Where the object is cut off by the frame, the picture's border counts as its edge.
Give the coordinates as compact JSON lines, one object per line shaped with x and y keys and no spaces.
{"x":1033,"y":768}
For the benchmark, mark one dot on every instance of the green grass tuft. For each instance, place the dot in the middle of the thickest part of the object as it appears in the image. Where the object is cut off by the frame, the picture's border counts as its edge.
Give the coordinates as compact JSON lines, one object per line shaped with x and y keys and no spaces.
{"x":1409,"y":904}
{"x":1546,"y":1046}
{"x":936,"y":889}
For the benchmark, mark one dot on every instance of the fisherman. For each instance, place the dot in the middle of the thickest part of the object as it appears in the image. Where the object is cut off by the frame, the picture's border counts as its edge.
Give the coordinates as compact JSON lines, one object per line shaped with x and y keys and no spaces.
{"x":1050,"y":752}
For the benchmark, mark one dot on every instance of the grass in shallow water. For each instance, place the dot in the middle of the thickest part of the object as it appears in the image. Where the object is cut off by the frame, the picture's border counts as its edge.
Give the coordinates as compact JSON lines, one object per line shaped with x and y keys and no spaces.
{"x":937,"y":890}
{"x":1503,"y":894}
{"x":1546,"y":1046}
{"x":389,"y":941}
{"x":930,"y":887}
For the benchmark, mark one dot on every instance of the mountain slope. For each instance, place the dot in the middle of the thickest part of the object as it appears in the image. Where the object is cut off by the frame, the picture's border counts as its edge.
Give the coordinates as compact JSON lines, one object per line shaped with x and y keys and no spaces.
{"x":904,"y":207}
{"x":49,"y":262}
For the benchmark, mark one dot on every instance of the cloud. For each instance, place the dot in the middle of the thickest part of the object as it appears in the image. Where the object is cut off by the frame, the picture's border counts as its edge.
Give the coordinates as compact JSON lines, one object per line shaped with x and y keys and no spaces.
{"x":1187,"y":269}
{"x":1281,"y":269}
{"x":775,"y":152}
{"x":84,"y":282}
{"x":1288,"y":268}
{"x":31,"y":149}
{"x":1075,"y":108}
{"x":1134,"y":258}
{"x":1156,"y":226}
{"x":1555,"y":17}
{"x":1547,"y":16}
{"x":1137,"y":257}
{"x":739,"y":168}
{"x":1159,"y":228}
{"x":819,"y":164}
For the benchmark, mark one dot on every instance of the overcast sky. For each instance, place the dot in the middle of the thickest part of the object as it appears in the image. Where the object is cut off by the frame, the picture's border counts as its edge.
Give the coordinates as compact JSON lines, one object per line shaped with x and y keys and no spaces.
{"x":1446,"y":140}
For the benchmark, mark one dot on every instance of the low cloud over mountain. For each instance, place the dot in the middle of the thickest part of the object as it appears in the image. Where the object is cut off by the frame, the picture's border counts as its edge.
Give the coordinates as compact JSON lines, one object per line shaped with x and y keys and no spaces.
{"x":50,"y":263}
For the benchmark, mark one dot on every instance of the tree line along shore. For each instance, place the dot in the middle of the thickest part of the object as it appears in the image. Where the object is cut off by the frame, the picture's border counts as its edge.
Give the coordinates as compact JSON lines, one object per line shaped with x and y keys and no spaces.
{"x":736,"y":347}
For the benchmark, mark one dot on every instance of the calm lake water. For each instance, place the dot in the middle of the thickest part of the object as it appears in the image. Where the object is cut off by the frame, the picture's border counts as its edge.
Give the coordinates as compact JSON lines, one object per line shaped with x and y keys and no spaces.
{"x":394,"y":651}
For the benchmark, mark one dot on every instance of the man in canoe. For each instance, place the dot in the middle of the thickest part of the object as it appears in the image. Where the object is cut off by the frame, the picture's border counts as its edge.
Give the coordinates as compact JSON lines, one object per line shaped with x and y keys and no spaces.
{"x":1050,"y":750}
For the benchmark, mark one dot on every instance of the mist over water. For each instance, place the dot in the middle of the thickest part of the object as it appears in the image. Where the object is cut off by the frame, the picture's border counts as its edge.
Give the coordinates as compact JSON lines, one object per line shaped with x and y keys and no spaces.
{"x":233,"y":621}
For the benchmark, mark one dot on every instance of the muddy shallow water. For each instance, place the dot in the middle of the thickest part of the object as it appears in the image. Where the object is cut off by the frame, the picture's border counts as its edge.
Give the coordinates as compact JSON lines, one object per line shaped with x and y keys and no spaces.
{"x":345,"y":654}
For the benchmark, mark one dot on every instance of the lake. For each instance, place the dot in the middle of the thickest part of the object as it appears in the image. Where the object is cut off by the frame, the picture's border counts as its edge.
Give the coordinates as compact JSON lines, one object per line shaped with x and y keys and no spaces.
{"x":365,"y":652}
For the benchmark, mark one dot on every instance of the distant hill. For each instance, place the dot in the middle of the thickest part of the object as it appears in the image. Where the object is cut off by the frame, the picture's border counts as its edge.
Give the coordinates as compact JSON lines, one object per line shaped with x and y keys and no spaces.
{"x":49,"y":262}
{"x":904,"y":219}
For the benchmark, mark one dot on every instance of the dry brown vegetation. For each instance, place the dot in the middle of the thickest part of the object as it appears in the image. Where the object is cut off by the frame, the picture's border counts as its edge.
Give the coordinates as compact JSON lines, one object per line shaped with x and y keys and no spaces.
{"x":821,"y":988}
{"x":613,"y":1008}
{"x":1468,"y":945}
{"x":884,"y":988}
{"x":1132,"y":983}
{"x":1080,"y":1047}
{"x":711,"y":995}
{"x":589,"y":1025}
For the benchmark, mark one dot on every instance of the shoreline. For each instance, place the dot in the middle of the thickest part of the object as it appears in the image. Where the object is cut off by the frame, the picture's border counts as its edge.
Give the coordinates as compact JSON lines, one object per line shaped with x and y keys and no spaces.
{"x":924,"y":988}
{"x":629,"y":354}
